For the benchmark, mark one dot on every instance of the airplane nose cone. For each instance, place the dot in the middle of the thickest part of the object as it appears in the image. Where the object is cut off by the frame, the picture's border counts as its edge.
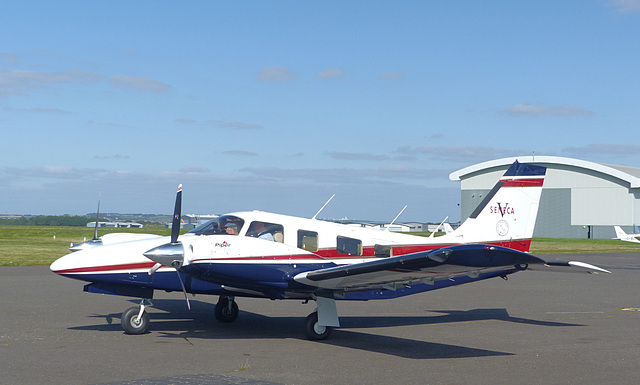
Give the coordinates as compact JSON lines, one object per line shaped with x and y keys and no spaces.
{"x":166,"y":254}
{"x":60,"y":264}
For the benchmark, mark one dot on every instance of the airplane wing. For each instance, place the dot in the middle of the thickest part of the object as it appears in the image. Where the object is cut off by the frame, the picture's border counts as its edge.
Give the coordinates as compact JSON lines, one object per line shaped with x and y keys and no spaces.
{"x":474,"y":261}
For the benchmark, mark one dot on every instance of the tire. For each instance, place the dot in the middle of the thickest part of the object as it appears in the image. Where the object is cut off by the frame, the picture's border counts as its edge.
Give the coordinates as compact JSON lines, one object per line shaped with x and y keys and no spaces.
{"x":223,"y":314}
{"x":130,"y":323}
{"x":314,"y":331}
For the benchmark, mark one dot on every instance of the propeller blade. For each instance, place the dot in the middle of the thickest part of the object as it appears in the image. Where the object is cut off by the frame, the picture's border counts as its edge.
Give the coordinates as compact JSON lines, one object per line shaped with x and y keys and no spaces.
{"x":183,"y":288}
{"x":175,"y":225}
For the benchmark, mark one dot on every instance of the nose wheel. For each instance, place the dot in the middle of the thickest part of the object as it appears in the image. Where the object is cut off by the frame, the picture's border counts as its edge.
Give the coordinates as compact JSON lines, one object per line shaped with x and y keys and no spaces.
{"x":135,"y":320}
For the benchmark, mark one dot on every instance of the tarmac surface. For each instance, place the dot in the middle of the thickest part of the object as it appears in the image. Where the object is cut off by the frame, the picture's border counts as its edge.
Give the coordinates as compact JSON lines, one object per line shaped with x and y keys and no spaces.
{"x":535,"y":328}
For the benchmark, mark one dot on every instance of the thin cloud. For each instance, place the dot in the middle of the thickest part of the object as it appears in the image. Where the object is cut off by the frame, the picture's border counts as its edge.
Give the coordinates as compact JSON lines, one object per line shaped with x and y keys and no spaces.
{"x":603,"y":148}
{"x":356,"y":156}
{"x":195,"y":169}
{"x":391,"y":75}
{"x":240,"y":153}
{"x":625,"y":6}
{"x":18,"y":82}
{"x":347,"y":175}
{"x":68,"y":190}
{"x":139,"y":83}
{"x":117,"y":156}
{"x":221,"y":124}
{"x":519,"y":110}
{"x":457,"y":153}
{"x":9,"y":58}
{"x":239,"y":126}
{"x":276,"y":75}
{"x":107,"y":124}
{"x":51,"y":172}
{"x":38,"y":110}
{"x":185,"y":121}
{"x":332,"y":73}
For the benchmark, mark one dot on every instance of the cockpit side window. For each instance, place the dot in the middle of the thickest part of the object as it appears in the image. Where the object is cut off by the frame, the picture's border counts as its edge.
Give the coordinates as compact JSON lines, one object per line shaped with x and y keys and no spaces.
{"x":266,"y":230}
{"x":226,"y":224}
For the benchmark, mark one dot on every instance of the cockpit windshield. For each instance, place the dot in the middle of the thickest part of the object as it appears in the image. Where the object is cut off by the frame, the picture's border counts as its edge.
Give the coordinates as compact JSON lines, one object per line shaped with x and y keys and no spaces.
{"x":226,"y":224}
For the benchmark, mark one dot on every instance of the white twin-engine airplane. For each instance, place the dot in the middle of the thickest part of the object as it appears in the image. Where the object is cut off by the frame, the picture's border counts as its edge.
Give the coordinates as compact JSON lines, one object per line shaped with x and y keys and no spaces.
{"x":263,"y":255}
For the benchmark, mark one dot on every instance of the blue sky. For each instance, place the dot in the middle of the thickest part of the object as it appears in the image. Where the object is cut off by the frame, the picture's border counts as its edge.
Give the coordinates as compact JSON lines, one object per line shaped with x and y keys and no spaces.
{"x":277,"y":105}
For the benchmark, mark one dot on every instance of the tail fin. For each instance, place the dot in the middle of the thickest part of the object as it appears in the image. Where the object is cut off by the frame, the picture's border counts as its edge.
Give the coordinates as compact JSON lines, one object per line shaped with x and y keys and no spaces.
{"x":507,"y":215}
{"x":620,"y":234}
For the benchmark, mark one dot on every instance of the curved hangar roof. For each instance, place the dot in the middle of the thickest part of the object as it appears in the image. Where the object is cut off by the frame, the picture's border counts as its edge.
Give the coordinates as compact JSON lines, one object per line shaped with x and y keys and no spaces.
{"x":625,"y":173}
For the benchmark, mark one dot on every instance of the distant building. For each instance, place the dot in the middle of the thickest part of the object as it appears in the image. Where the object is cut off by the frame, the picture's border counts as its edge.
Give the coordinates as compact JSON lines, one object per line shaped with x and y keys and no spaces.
{"x":579,"y":199}
{"x":128,"y":225}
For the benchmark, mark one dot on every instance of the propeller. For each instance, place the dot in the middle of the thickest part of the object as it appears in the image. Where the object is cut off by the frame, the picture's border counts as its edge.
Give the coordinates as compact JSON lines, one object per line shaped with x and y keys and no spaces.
{"x":171,"y":254}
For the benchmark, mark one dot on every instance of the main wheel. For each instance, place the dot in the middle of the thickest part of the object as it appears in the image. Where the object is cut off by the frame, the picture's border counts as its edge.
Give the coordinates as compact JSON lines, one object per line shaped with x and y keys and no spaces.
{"x":224,"y":312}
{"x":314,"y":331}
{"x":130,"y":322}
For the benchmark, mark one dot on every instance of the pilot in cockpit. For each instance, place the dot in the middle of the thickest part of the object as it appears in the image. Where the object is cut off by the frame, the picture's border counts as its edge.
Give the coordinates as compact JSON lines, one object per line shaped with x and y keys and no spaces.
{"x":231,"y":229}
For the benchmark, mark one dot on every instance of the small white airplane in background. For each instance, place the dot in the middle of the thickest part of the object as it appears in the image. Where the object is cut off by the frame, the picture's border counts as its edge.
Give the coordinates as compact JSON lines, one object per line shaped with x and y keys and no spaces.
{"x":621,"y":235}
{"x":263,"y":255}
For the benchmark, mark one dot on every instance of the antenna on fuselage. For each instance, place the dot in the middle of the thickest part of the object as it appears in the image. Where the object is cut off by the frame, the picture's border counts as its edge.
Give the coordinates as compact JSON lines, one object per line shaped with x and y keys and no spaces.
{"x":323,"y":206}
{"x":394,"y":219}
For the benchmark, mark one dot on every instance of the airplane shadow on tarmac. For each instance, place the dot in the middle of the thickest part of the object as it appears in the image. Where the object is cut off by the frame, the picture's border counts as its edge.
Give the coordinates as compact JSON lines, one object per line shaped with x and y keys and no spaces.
{"x":173,"y":320}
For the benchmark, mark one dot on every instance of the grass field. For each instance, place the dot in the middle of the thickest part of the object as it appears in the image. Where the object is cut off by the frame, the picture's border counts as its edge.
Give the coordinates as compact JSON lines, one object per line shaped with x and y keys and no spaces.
{"x":32,"y":245}
{"x":35,"y":245}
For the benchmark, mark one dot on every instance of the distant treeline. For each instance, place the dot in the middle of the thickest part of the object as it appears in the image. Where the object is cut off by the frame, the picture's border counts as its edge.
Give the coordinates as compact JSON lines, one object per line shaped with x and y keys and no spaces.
{"x":49,"y":220}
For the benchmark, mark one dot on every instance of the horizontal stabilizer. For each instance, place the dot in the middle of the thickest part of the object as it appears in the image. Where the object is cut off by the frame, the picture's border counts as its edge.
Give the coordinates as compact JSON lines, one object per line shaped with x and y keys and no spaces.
{"x":569,"y":267}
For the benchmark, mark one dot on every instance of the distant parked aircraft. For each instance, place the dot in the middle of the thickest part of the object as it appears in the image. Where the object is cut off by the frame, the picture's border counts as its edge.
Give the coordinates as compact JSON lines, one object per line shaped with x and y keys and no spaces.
{"x":621,"y":235}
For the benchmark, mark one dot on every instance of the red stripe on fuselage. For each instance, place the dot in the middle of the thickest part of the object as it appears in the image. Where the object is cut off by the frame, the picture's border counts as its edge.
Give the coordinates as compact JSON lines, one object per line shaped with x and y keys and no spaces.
{"x":327,"y":255}
{"x":332,"y":255}
{"x":529,"y":182}
{"x":265,"y":258}
{"x":101,"y":269}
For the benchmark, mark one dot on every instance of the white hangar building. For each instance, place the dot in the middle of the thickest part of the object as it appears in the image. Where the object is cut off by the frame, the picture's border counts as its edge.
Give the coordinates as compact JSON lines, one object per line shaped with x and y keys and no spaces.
{"x":580,"y":199}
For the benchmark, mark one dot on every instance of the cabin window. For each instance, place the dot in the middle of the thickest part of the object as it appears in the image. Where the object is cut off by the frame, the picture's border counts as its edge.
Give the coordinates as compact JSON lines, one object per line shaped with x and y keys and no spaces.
{"x":349,"y":246}
{"x":266,"y":230}
{"x":226,"y":224}
{"x":308,"y":240}
{"x":382,"y":251}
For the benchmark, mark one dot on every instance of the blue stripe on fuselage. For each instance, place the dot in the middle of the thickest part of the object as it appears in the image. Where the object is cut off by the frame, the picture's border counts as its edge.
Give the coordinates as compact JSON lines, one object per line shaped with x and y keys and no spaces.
{"x":242,"y":274}
{"x":160,"y":280}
